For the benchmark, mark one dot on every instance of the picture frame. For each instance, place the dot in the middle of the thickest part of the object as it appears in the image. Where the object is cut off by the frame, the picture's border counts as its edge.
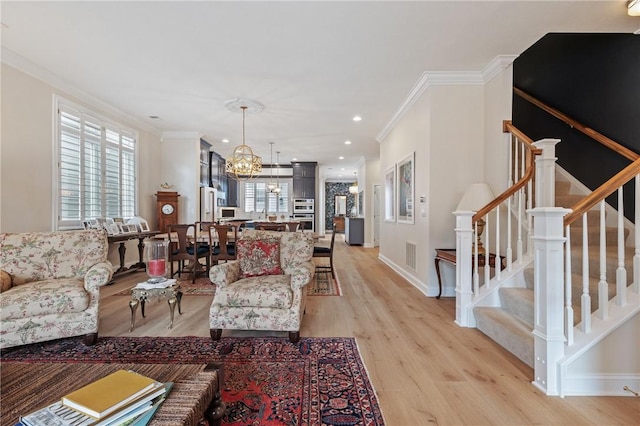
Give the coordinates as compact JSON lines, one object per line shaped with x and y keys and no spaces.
{"x":144,"y":226}
{"x":113,"y":229}
{"x":86,"y":224}
{"x":132,"y":228}
{"x":390,"y":194}
{"x":405,"y":191}
{"x":140,"y":223}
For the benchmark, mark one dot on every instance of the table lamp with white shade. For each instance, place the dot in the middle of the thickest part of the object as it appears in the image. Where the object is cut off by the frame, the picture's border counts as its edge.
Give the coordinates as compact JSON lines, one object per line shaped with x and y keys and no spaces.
{"x":476,"y":197}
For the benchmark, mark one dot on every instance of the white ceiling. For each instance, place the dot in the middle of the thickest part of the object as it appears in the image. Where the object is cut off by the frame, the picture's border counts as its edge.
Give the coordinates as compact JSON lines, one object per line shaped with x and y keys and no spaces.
{"x":313,"y":65}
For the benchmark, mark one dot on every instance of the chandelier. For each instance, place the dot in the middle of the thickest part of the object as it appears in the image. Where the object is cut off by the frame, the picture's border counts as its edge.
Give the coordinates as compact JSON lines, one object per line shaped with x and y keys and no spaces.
{"x":243,"y":163}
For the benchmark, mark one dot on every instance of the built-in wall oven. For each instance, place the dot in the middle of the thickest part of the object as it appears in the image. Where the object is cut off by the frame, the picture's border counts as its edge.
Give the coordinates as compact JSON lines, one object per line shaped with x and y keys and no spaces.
{"x":304,"y":211}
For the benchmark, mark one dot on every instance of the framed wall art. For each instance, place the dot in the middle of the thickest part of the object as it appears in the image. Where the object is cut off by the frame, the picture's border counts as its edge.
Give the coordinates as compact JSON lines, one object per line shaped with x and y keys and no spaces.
{"x":390,"y":194}
{"x":405,"y":180}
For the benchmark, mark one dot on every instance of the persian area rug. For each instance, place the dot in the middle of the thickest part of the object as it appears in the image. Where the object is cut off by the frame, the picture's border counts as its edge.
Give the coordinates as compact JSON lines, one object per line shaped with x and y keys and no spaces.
{"x":322,"y":284}
{"x":267,"y":381}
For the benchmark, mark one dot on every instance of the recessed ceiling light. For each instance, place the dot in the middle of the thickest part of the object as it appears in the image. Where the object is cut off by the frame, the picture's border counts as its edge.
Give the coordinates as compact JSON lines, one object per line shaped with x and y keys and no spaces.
{"x":357,"y":118}
{"x":294,"y":159}
{"x":225,"y":140}
{"x":341,"y":158}
{"x":342,"y":169}
{"x":339,"y":175}
{"x":347,"y":142}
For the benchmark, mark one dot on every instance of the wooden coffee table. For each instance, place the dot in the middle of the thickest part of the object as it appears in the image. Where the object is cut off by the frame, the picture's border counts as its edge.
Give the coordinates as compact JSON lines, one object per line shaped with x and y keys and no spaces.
{"x":27,"y":387}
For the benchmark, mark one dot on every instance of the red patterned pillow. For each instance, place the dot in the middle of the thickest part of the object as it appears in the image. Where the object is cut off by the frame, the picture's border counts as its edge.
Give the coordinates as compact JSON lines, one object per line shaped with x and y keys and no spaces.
{"x":259,"y":257}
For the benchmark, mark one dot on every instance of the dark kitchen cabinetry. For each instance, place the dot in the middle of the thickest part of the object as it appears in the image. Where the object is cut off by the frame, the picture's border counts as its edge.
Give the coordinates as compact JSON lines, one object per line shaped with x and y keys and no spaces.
{"x":304,"y":179}
{"x":227,"y":185}
{"x":205,"y":169}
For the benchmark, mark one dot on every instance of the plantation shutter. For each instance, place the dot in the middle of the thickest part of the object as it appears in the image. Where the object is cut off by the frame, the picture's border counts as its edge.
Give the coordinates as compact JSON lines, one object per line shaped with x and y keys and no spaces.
{"x":96,"y":169}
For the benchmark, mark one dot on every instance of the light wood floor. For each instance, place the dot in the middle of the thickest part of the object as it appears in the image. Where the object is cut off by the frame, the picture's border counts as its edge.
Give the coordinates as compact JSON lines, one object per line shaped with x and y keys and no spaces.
{"x":425,"y":369}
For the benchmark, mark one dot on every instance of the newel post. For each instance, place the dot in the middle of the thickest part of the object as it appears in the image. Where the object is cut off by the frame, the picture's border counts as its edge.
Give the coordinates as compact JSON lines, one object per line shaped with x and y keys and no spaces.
{"x":464,"y":241}
{"x":548,"y":263}
{"x":546,"y":173}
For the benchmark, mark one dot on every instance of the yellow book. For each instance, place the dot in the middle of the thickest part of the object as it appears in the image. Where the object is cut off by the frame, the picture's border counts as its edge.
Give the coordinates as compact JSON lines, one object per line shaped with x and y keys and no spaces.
{"x":106,"y":395}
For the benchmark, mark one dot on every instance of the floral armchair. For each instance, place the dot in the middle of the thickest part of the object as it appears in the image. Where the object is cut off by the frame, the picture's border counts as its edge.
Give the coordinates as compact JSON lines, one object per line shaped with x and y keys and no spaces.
{"x":51,"y":285}
{"x":265,"y":288}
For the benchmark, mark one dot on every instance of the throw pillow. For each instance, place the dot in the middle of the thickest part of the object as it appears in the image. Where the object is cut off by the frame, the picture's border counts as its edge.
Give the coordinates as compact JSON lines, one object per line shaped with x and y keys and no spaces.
{"x":259,"y":257}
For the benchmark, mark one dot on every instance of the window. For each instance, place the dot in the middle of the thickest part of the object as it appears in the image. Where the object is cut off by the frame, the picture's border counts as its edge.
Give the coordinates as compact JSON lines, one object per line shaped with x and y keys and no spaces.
{"x":96,"y":168}
{"x":257,"y":199}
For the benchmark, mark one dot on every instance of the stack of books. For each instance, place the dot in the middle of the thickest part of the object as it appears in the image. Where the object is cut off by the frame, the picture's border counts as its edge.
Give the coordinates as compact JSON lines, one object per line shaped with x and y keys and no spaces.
{"x":121,"y":398}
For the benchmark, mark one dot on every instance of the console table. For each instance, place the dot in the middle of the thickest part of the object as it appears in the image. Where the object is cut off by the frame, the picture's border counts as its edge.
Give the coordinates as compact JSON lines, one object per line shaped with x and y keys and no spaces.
{"x":122,"y":239}
{"x":449,"y":255}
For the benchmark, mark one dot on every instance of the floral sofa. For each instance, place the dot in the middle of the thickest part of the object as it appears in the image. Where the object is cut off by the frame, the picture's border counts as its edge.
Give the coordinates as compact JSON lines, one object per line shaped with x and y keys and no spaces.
{"x":265,"y":287}
{"x":51,"y":285}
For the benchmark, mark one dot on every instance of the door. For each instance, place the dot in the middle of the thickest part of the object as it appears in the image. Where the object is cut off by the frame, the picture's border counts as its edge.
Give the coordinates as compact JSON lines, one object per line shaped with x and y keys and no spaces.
{"x":377,"y":208}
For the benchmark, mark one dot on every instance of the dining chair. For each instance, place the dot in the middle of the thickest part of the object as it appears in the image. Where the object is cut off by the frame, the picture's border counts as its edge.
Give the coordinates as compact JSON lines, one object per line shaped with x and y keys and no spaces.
{"x":265,"y":226}
{"x":183,"y":247}
{"x":323,"y":251}
{"x":220,"y":246}
{"x":292,"y":226}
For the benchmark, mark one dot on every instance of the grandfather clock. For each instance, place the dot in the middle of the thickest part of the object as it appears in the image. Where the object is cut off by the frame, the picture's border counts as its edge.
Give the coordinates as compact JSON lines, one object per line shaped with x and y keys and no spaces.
{"x":167,"y":209}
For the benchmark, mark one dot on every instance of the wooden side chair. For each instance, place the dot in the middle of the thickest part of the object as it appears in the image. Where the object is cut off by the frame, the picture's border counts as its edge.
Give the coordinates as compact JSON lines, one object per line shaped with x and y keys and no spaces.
{"x":323,"y":251}
{"x":292,"y":226}
{"x":185,"y":247}
{"x":221,"y":248}
{"x":266,"y":226}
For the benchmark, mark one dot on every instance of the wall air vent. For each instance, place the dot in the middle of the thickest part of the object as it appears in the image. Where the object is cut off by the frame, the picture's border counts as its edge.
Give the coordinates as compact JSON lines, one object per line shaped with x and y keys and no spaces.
{"x":410,"y":255}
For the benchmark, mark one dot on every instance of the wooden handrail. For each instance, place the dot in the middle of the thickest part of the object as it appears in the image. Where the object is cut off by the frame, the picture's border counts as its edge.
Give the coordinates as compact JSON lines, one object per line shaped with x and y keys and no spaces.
{"x":606,"y":189}
{"x":508,"y":127}
{"x":609,"y":143}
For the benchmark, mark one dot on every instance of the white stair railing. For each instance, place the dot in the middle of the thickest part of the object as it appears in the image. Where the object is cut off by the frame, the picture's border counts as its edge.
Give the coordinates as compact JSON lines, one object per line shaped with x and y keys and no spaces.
{"x":510,"y":205}
{"x":613,"y":257}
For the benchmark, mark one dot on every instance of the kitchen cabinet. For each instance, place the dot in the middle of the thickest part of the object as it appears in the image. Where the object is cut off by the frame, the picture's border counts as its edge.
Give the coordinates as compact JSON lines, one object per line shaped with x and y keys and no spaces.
{"x":219,"y":178}
{"x":354,"y":231}
{"x":205,"y":169}
{"x":304,"y":179}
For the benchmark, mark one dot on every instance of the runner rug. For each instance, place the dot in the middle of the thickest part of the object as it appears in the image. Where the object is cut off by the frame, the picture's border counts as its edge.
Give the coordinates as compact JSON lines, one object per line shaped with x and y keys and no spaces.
{"x":267,"y":381}
{"x":322,"y":284}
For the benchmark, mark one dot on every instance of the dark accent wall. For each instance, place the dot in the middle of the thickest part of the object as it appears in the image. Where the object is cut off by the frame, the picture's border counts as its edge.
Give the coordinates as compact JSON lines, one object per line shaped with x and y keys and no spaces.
{"x":331,"y":190}
{"x":594,"y":79}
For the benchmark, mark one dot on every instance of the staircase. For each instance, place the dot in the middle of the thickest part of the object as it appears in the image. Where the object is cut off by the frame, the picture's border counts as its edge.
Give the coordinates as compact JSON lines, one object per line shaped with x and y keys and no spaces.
{"x":511,"y":324}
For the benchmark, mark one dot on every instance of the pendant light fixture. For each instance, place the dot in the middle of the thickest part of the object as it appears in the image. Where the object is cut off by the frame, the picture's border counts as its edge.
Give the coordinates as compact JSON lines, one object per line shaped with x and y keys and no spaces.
{"x":277,"y":189}
{"x":243,"y":163}
{"x":353,"y":189}
{"x":271,"y":186}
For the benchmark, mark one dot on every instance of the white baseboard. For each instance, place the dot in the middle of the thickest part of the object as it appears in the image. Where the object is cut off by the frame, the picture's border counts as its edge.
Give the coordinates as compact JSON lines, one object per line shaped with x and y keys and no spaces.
{"x":600,"y":385}
{"x":409,"y":277}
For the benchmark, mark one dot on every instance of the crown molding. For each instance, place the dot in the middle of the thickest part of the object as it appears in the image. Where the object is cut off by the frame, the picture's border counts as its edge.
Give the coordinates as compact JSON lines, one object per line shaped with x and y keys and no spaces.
{"x":496,"y":66}
{"x":24,"y":65}
{"x":441,"y":78}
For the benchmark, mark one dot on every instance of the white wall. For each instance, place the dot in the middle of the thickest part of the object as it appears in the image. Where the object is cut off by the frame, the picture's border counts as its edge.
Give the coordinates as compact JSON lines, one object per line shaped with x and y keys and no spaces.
{"x":455,"y":130}
{"x":498,"y":102}
{"x":372,"y":177}
{"x":180,"y":166}
{"x":27,"y":152}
